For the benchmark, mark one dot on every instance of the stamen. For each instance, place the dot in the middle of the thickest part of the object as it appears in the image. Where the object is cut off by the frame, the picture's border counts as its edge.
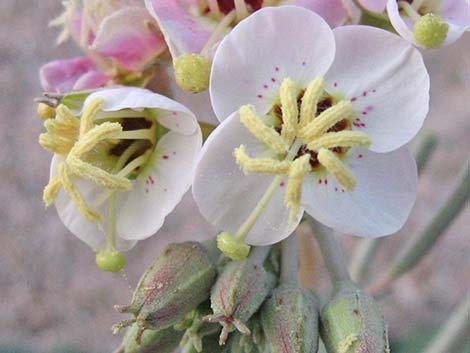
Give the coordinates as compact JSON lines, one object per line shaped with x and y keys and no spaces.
{"x":409,"y":10}
{"x":214,"y":7}
{"x":51,"y":190}
{"x":308,"y":108}
{"x":337,"y":168}
{"x":97,"y":175}
{"x":290,"y":112}
{"x":299,"y":168}
{"x":325,"y":120}
{"x":340,"y":139}
{"x":61,"y":129}
{"x":260,"y":165}
{"x":86,"y":121}
{"x":141,"y":134}
{"x":416,"y":4}
{"x":218,"y":32}
{"x":262,"y":132}
{"x":94,"y":136}
{"x":125,"y":113}
{"x":76,"y":197}
{"x":55,"y":144}
{"x":241,"y":10}
{"x":64,"y":114}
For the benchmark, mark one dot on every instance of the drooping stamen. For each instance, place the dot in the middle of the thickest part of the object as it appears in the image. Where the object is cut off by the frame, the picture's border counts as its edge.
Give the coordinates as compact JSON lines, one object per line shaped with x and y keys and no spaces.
{"x":290,"y":111}
{"x":72,"y":191}
{"x":340,"y":139}
{"x":218,"y":32}
{"x":260,"y":165}
{"x":326,"y":120}
{"x":56,"y":145}
{"x":99,"y":133}
{"x":337,"y":168}
{"x":409,"y":10}
{"x":51,"y":190}
{"x":214,"y":7}
{"x":308,"y":108}
{"x":299,"y":168}
{"x":264,"y":133}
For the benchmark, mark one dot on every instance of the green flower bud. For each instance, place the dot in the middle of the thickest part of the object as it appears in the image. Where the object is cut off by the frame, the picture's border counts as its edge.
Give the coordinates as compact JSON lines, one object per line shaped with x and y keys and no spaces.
{"x":110,"y":261}
{"x":352,"y":322}
{"x":430,"y":31}
{"x":192,"y":72}
{"x":238,"y":293}
{"x":161,"y":341}
{"x":178,"y":280}
{"x":290,"y":320}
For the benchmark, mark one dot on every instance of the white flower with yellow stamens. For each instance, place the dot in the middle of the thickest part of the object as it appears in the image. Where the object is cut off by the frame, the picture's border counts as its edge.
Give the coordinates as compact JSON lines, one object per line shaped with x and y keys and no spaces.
{"x":120,"y":167}
{"x":312,"y":119}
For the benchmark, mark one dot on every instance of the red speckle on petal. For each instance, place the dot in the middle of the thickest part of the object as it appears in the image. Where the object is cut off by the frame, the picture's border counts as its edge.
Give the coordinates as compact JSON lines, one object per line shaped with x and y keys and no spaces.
{"x":165,"y":156}
{"x":151,"y":180}
{"x":282,"y":184}
{"x":319,"y":181}
{"x":304,"y":63}
{"x":273,"y":79}
{"x":265,"y":86}
{"x":326,"y":181}
{"x":276,"y":69}
{"x":174,"y":153}
{"x":336,"y":189}
{"x":342,"y":190}
{"x":364,"y":94}
{"x":353,"y":99}
{"x":364,"y":113}
{"x":335,"y":84}
{"x":146,"y":191}
{"x":146,"y":181}
{"x":360,"y":156}
{"x":373,"y":91}
{"x":177,"y":125}
{"x":369,"y":108}
{"x":260,"y":96}
{"x":174,"y":113}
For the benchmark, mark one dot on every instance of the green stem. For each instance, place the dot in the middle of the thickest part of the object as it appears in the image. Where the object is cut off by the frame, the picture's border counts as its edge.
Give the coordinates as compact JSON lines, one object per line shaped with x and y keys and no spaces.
{"x":332,"y":254}
{"x":426,"y":149}
{"x":289,"y":261}
{"x":259,"y":253}
{"x":454,"y":334}
{"x":420,"y":245}
{"x":111,"y":239}
{"x":363,"y":256}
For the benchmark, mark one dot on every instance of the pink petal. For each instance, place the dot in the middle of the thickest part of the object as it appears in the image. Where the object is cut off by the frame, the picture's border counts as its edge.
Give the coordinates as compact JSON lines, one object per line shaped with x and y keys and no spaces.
{"x":374,"y":5}
{"x":90,"y":80}
{"x":60,"y":76}
{"x":334,"y":12}
{"x":126,"y":37}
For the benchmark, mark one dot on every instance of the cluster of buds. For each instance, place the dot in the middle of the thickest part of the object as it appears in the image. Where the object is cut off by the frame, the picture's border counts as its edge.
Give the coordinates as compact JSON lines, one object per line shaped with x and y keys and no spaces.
{"x":193,"y":297}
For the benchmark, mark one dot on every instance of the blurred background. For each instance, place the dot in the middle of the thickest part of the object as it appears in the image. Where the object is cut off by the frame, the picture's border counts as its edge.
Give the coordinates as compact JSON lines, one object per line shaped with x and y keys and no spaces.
{"x":54,"y":299}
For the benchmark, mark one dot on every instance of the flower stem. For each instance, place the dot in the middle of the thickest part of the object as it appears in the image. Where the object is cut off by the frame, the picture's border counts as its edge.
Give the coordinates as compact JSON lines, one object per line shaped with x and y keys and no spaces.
{"x":454,"y":333}
{"x":426,"y":149}
{"x":363,"y":255}
{"x":289,"y":261}
{"x":420,"y":245}
{"x":331,"y":251}
{"x":111,"y":238}
{"x":259,"y":253}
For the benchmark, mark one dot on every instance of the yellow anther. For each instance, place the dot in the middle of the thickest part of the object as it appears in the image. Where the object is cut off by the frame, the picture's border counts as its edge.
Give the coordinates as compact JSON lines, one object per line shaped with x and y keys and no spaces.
{"x":326,"y":120}
{"x":299,"y":168}
{"x":64,"y":114}
{"x":76,"y":197}
{"x":346,"y":343}
{"x":260,"y":165}
{"x":308,"y":108}
{"x":94,"y":136}
{"x":61,"y":129}
{"x":262,"y":132}
{"x":192,"y":72}
{"x":90,"y":111}
{"x":51,"y":190}
{"x":97,"y":175}
{"x":337,"y":168}
{"x":45,"y":112}
{"x":290,"y":111}
{"x":232,"y":247}
{"x":55,"y":144}
{"x":340,"y":139}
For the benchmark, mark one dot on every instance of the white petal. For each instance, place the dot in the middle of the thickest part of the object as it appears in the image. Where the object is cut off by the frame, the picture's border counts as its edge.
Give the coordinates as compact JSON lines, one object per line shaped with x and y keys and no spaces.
{"x":387,"y":81}
{"x":94,"y":235}
{"x":226,"y":197}
{"x":402,"y":26}
{"x":262,"y":50}
{"x":159,"y":189}
{"x":456,"y":12}
{"x":380,"y":204}
{"x":170,"y":113}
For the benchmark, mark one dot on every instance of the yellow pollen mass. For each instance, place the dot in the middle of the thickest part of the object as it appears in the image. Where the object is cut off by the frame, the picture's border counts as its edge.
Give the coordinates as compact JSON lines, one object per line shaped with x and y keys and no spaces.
{"x":340,"y":139}
{"x":337,"y":168}
{"x":290,"y":112}
{"x":260,"y":165}
{"x":299,"y":168}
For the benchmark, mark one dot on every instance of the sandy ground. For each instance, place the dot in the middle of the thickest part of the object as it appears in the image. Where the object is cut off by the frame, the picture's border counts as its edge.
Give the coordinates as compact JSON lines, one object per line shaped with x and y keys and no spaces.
{"x":51,"y":293}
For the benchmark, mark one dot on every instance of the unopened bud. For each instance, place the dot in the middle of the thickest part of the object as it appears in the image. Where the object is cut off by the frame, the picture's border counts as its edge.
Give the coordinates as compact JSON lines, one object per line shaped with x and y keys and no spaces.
{"x":290,"y":320}
{"x":352,"y":322}
{"x":45,"y":112}
{"x":161,"y":341}
{"x":178,"y":281}
{"x":192,"y":72}
{"x":430,"y":31}
{"x":238,"y":293}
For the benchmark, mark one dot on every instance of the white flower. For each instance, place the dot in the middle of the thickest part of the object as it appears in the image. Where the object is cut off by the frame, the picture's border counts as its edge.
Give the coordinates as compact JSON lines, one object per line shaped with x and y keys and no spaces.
{"x":279,"y":59}
{"x":122,"y":166}
{"x":453,"y":14}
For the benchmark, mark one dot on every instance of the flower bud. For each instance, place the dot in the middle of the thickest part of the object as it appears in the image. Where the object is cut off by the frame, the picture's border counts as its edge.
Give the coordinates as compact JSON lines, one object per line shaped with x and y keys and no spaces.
{"x":290,"y":320}
{"x":178,"y":280}
{"x":192,"y":72}
{"x":238,"y":293}
{"x":430,"y":31}
{"x":352,"y":322}
{"x":161,"y":341}
{"x":110,"y":260}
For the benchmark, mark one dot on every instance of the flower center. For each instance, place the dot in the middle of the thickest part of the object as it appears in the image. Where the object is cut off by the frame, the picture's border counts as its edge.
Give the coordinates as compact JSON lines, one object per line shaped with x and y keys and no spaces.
{"x":106,"y":148}
{"x":417,"y":8}
{"x":309,"y":132}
